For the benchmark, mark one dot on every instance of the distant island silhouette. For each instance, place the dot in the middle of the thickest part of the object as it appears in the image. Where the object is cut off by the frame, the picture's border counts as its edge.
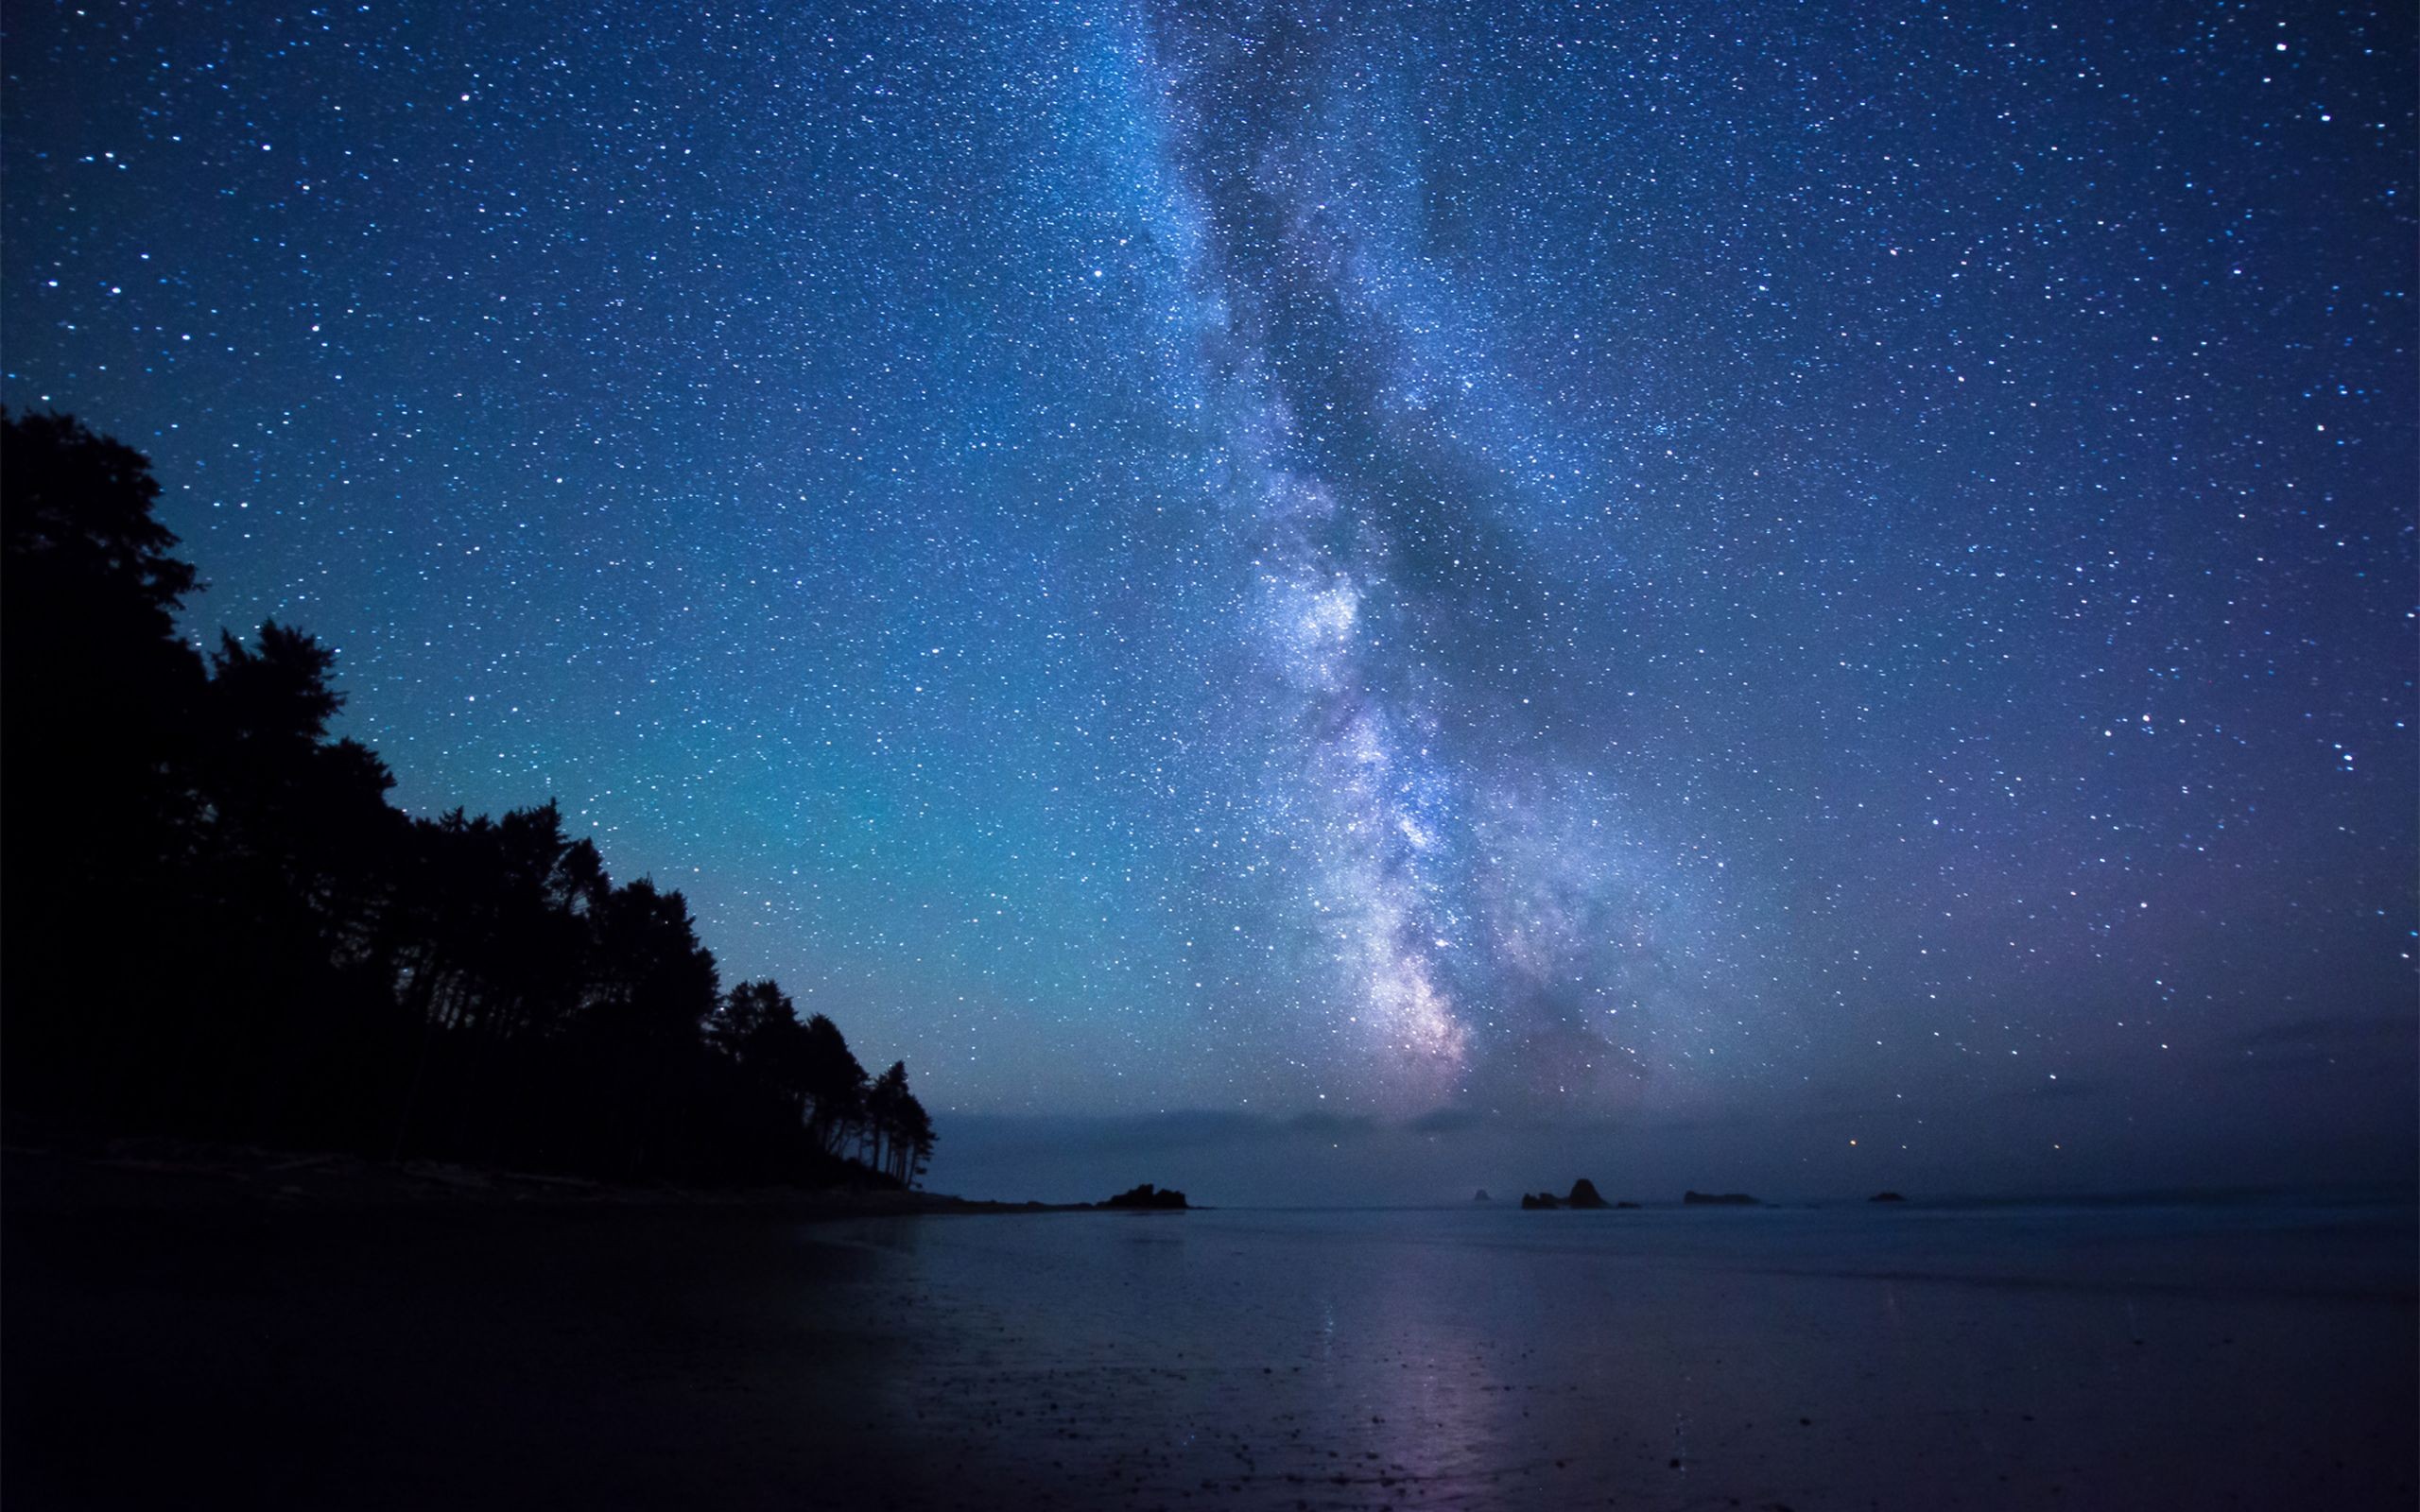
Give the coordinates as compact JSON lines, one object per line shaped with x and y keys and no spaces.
{"x":1719,"y":1199}
{"x":1149,"y":1198}
{"x":1584,"y":1193}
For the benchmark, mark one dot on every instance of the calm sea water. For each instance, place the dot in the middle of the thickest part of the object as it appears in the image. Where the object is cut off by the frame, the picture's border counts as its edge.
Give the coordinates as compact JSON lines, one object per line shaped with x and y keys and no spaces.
{"x":2256,"y":1354}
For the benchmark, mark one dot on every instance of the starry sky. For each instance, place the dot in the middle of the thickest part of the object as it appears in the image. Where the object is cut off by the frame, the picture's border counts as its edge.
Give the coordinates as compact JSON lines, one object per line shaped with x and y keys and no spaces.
{"x":1335,"y":576}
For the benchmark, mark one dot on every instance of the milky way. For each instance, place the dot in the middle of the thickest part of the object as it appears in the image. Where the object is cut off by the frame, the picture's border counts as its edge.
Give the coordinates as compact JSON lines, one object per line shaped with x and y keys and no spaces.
{"x":1621,"y":561}
{"x":1461,"y":926}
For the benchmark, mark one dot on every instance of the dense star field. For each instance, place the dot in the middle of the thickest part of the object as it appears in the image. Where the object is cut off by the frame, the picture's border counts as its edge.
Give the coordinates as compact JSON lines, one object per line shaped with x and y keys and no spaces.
{"x":1637,"y":563}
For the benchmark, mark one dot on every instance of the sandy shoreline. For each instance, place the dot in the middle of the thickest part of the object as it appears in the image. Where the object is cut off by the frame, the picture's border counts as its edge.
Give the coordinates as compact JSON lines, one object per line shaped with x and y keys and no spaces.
{"x":203,"y":1325}
{"x":176,"y":1173}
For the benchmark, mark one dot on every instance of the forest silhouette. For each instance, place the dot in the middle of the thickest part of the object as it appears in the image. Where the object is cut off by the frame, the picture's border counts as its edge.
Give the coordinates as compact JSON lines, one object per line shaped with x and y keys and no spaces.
{"x":218,"y":927}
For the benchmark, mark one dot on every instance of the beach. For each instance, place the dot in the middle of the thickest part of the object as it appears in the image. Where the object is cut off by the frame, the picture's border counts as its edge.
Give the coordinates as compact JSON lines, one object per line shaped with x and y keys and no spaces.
{"x":2250,"y":1353}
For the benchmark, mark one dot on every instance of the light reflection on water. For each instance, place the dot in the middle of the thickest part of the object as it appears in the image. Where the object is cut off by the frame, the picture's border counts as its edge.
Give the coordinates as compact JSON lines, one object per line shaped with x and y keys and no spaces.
{"x":1500,"y":1358}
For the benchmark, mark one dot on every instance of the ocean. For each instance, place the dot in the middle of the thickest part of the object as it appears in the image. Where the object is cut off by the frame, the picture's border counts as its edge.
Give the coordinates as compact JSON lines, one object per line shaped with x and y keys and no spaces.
{"x":2247,"y":1355}
{"x":242,"y":1350}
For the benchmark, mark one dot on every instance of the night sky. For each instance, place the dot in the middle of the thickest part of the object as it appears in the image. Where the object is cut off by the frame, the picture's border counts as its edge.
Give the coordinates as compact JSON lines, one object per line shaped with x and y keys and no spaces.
{"x":1586,"y":577}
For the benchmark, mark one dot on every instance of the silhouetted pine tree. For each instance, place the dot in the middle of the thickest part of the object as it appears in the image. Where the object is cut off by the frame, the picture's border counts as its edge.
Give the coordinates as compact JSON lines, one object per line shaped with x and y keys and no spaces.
{"x":216,"y":924}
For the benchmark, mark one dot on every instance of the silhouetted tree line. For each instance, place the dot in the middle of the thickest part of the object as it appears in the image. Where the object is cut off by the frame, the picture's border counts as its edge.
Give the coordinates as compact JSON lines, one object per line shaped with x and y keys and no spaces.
{"x":213,"y":924}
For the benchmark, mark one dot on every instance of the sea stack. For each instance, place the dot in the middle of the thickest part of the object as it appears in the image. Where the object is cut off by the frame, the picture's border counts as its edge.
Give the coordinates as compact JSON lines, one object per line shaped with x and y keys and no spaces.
{"x":1583,"y":1195}
{"x":1147,"y":1198}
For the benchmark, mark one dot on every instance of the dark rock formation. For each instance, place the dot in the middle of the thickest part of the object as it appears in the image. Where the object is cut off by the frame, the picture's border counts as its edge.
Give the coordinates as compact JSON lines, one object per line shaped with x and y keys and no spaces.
{"x":1147,"y":1198}
{"x":1719,"y":1199}
{"x":1482,"y":1196}
{"x":1886,"y":1197}
{"x":1583,"y":1195}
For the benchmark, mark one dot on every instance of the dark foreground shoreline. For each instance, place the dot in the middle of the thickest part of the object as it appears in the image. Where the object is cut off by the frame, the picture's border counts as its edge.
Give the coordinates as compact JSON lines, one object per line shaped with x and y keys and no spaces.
{"x":198,"y":1333}
{"x":168,"y":1175}
{"x":188,"y":1331}
{"x":191,"y":1325}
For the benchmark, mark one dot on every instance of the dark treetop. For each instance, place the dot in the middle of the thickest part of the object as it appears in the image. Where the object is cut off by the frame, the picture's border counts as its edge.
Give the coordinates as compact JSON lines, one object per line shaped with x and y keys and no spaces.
{"x":217,"y":927}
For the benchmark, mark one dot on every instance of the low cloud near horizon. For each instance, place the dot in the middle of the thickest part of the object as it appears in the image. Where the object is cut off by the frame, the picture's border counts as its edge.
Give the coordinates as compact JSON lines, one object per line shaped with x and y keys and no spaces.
{"x":2335,"y":1106}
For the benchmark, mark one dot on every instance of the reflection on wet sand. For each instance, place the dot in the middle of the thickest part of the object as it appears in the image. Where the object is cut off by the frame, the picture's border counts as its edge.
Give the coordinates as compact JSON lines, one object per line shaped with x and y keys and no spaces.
{"x":683,"y":1357}
{"x":1471,"y":1360}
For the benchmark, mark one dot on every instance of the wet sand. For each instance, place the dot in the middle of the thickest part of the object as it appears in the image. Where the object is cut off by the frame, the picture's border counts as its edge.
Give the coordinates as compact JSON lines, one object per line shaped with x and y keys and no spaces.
{"x":1667,"y":1360}
{"x":244,"y":1353}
